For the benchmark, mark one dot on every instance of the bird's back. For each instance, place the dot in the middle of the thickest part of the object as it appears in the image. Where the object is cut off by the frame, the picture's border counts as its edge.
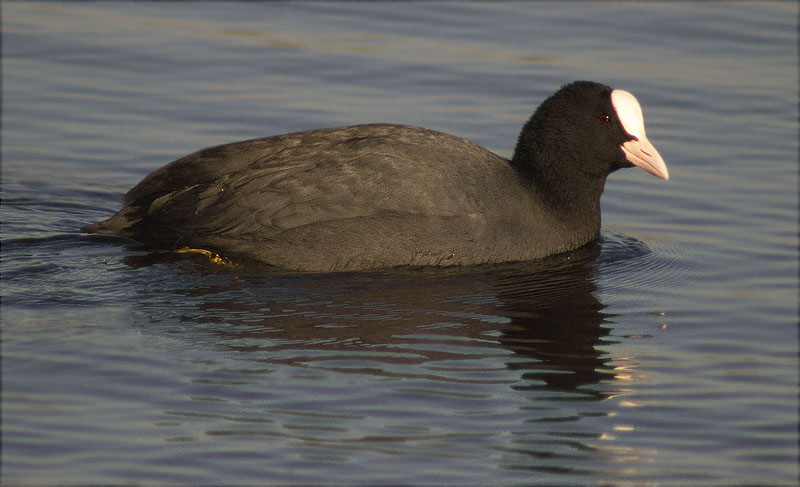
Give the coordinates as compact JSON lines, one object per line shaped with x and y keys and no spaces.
{"x":359,"y":195}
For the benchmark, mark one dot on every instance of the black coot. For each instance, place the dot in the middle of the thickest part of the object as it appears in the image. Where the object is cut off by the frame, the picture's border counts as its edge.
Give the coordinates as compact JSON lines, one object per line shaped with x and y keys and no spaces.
{"x":381,"y":195}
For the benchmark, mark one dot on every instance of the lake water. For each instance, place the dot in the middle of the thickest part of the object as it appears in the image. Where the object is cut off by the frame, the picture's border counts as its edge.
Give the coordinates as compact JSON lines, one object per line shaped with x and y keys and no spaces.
{"x":667,"y":354}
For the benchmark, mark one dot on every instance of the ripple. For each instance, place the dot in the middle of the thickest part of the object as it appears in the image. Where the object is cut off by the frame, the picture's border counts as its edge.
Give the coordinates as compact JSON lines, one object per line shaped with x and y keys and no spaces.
{"x":627,"y":264}
{"x":617,"y":247}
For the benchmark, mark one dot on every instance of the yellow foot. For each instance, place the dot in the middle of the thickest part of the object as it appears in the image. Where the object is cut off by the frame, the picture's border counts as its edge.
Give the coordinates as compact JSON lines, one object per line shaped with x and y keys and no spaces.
{"x":212,"y":256}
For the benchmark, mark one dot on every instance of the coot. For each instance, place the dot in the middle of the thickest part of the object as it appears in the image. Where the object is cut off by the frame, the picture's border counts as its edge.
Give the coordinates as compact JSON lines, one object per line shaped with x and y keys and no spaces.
{"x":381,"y":195}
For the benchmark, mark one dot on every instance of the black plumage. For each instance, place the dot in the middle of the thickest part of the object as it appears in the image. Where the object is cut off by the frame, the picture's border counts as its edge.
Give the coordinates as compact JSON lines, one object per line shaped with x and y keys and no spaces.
{"x":381,"y":195}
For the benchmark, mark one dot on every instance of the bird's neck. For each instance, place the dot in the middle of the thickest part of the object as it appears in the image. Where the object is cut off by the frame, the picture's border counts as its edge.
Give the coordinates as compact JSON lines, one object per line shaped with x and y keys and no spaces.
{"x":568,"y":195}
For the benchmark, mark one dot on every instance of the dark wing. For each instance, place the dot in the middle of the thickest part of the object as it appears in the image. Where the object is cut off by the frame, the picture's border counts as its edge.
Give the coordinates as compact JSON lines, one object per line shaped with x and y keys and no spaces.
{"x":259,"y":188}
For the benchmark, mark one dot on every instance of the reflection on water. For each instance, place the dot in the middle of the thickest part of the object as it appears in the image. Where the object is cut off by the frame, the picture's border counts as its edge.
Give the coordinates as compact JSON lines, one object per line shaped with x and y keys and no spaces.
{"x":544,"y":312}
{"x":516,"y":342}
{"x":556,"y":321}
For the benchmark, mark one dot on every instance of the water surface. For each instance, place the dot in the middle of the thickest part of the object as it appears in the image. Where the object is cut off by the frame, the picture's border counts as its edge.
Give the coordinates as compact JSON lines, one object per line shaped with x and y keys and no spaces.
{"x":666,"y":354}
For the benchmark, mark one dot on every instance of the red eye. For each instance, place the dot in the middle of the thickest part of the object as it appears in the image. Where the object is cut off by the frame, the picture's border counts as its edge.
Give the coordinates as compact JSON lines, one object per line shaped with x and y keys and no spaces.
{"x":603,"y":119}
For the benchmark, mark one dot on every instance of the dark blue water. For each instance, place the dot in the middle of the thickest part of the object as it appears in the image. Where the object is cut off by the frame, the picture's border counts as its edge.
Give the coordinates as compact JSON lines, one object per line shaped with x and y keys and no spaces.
{"x":667,"y":354}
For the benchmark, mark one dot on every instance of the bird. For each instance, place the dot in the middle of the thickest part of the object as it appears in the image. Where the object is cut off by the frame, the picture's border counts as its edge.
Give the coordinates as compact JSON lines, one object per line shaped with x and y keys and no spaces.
{"x":380,"y":195}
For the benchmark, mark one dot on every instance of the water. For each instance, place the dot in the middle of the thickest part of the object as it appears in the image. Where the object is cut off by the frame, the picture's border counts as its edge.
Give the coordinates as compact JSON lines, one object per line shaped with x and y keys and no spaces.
{"x":664,"y":355}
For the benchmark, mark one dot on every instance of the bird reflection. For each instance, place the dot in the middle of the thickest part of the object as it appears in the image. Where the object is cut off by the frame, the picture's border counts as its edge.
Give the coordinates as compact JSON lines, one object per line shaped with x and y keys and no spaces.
{"x":556,"y":320}
{"x":545,"y":312}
